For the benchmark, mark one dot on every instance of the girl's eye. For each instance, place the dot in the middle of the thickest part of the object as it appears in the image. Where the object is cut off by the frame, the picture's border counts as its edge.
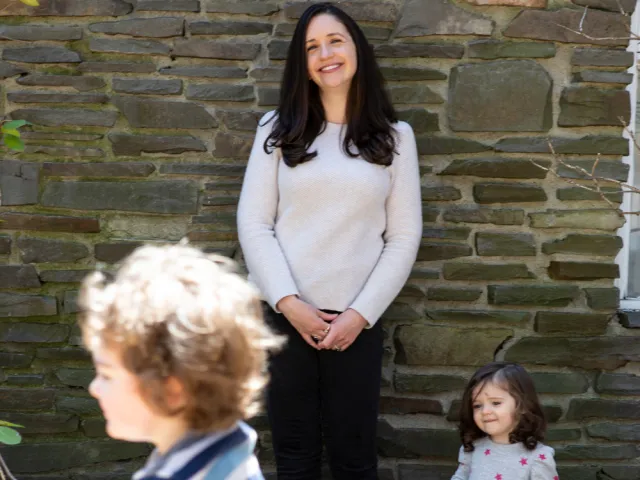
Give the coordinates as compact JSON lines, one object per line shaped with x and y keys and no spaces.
{"x":103,"y":376}
{"x":336,"y":40}
{"x":497,"y":403}
{"x":312,"y":47}
{"x":476,"y":407}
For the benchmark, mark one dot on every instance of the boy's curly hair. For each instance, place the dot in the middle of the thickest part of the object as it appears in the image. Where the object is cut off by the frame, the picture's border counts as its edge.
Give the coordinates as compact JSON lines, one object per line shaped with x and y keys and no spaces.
{"x":531,"y":423}
{"x":175,"y":311}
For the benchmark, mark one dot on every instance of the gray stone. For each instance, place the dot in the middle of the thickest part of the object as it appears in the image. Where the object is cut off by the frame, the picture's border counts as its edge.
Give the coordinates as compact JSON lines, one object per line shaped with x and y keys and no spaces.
{"x":614,"y":432}
{"x":476,"y":316}
{"x":76,"y":377}
{"x":603,"y":298}
{"x":595,"y":219}
{"x":430,"y":214}
{"x":114,"y":252}
{"x":589,"y":245}
{"x":67,"y":116}
{"x":33,"y":332}
{"x":581,"y":194}
{"x":48,"y":223}
{"x":25,"y":380}
{"x":402,"y":73}
{"x":508,"y":193}
{"x":582,"y":270}
{"x":628,"y":472}
{"x":413,"y":94}
{"x":411,"y":442}
{"x":40,"y":250}
{"x":18,"y":276}
{"x":39,"y":97}
{"x":43,"y":422}
{"x":420,"y":50}
{"x":575,"y":168}
{"x":247,"y":7}
{"x":41,"y":54}
{"x":129,"y":46}
{"x":597,"y":452}
{"x":267,"y":74}
{"x":268,"y":96}
{"x":5,"y":245}
{"x":569,"y":323}
{"x":12,"y":399}
{"x":160,"y":27}
{"x":381,"y":11}
{"x":94,"y":427}
{"x":519,"y":98}
{"x":240,"y":119}
{"x":232,"y":145}
{"x":618,"y":384}
{"x":44,"y":457}
{"x":420,"y":119}
{"x":15,"y":360}
{"x":597,"y":57}
{"x":159,"y":196}
{"x":489,"y":49}
{"x":607,"y":353}
{"x":134,"y":145}
{"x":404,"y":406}
{"x":278,"y":49}
{"x":220,"y":92}
{"x":474,"y":214}
{"x":427,"y":384}
{"x":111,"y":169}
{"x":80,"y":83}
{"x":424,"y":274}
{"x":8,"y":70}
{"x":18,"y":183}
{"x":449,"y":294}
{"x":432,"y":145}
{"x":64,"y":354}
{"x":588,"y":408}
{"x":441,"y":18}
{"x":120,"y":67}
{"x":497,"y":167}
{"x":220,"y":200}
{"x":505,"y":244}
{"x":472,"y":271}
{"x":81,"y":8}
{"x":222,"y":169}
{"x":626,"y":6}
{"x":446,"y":233}
{"x":147,"y":86}
{"x":34,"y":33}
{"x":584,"y":106}
{"x":546,"y":382}
{"x":148,"y":113}
{"x":168,"y":6}
{"x":77,"y":405}
{"x":440,"y":193}
{"x":539,"y":295}
{"x":602,"y":76}
{"x":590,"y":144}
{"x":64,"y":151}
{"x":567,"y":25}
{"x":70,"y":137}
{"x":436,"y":345}
{"x":229,"y":28}
{"x":206,"y":72}
{"x":63,"y":276}
{"x":443,"y":251}
{"x":221,"y":49}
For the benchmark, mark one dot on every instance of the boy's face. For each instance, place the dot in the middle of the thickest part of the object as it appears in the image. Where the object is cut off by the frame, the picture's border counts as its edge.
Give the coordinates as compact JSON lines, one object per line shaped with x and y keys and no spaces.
{"x":127,"y":415}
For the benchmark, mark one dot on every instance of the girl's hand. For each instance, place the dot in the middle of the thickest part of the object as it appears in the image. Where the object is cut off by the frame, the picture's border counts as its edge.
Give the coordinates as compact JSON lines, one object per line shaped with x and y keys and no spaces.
{"x":344,"y":331}
{"x":310,"y":322}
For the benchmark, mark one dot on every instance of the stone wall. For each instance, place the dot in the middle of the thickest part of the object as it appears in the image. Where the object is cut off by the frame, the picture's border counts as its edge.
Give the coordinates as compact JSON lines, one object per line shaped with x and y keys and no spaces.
{"x":143,"y":118}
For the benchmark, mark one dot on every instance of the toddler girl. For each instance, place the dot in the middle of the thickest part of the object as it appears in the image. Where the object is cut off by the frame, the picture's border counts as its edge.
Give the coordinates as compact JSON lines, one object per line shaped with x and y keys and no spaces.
{"x":502,"y":426}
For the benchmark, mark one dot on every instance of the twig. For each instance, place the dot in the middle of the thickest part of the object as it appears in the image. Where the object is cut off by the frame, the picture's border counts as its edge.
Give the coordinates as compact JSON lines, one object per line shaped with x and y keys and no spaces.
{"x":584,"y":15}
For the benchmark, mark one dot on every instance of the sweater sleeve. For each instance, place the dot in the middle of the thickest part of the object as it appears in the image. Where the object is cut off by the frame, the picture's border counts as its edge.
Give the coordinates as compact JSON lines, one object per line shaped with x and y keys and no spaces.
{"x":257,"y":210}
{"x":544,"y":465}
{"x":464,"y":466}
{"x":402,"y":234}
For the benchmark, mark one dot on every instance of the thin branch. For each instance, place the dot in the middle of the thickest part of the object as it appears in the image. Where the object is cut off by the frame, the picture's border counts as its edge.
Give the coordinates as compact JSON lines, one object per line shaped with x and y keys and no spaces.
{"x":584,"y":15}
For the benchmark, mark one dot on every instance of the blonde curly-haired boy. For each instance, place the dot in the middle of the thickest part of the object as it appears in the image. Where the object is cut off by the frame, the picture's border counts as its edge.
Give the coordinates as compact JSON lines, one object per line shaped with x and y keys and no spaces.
{"x":180,"y":350}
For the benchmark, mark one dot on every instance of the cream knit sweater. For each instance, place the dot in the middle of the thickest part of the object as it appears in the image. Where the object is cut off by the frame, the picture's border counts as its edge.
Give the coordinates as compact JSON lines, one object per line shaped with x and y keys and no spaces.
{"x":339,"y":232}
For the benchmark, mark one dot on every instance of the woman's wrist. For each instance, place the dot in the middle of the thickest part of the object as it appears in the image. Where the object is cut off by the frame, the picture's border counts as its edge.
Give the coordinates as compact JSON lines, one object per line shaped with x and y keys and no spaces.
{"x":285,"y":303}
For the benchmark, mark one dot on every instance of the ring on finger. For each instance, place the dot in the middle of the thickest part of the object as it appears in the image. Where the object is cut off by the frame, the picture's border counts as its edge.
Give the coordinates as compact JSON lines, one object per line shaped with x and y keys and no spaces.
{"x":326,"y":330}
{"x":337,"y":348}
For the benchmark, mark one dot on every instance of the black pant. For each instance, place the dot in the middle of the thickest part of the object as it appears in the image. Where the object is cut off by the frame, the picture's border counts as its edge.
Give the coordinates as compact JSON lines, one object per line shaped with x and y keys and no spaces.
{"x":314,"y":394}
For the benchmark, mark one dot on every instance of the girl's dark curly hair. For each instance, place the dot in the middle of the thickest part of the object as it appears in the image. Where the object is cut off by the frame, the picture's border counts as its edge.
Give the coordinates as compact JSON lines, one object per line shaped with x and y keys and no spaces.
{"x":301,"y":116}
{"x":531,"y":423}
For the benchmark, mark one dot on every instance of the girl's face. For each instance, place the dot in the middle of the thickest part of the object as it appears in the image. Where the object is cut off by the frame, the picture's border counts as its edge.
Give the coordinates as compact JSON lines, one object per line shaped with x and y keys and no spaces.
{"x":494,"y":411}
{"x":332,"y":59}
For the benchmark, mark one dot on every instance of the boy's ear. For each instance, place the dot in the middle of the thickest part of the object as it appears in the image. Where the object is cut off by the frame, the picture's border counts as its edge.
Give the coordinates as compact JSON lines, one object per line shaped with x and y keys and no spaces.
{"x":175,"y":396}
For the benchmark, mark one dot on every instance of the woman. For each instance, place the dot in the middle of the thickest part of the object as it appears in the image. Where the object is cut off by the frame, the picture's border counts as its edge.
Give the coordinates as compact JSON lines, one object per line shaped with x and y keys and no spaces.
{"x":330,"y":222}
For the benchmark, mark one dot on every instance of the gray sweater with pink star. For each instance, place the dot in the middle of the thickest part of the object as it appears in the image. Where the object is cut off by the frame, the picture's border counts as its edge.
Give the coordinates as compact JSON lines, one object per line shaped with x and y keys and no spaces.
{"x":494,"y":461}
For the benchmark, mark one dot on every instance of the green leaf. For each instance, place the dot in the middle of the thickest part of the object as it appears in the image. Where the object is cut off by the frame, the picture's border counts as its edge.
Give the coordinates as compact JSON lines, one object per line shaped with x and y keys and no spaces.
{"x":9,"y":436}
{"x":10,"y":131}
{"x":4,"y":423}
{"x":14,"y":124}
{"x":31,"y":3}
{"x":14,"y":143}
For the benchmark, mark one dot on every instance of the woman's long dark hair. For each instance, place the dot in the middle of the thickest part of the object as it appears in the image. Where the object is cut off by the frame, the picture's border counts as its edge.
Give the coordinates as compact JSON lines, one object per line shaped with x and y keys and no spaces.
{"x":531,"y":424}
{"x":301,"y":116}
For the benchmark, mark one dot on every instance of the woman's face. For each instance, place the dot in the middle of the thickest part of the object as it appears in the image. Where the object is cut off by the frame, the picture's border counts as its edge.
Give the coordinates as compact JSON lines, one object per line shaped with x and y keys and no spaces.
{"x":332,"y":59}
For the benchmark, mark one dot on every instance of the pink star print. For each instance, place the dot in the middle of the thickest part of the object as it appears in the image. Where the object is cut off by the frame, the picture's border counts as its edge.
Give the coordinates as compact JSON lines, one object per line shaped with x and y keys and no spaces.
{"x":498,"y":477}
{"x":542,"y":457}
{"x":523,"y":461}
{"x":556,"y":477}
{"x":487,"y":452}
